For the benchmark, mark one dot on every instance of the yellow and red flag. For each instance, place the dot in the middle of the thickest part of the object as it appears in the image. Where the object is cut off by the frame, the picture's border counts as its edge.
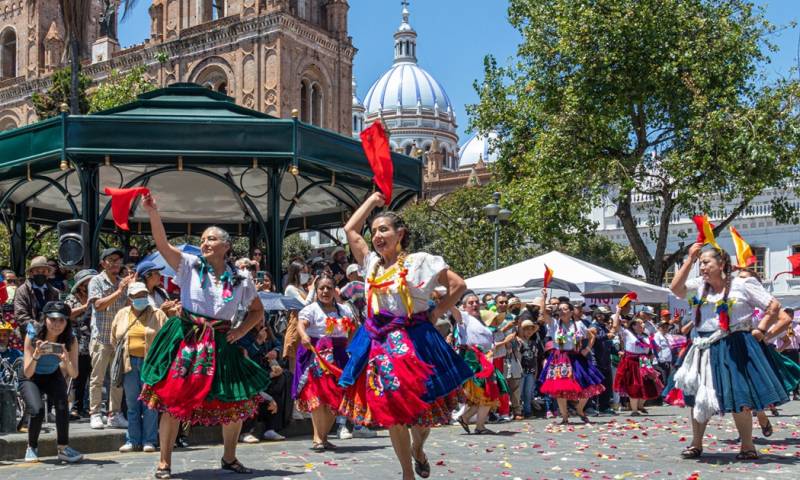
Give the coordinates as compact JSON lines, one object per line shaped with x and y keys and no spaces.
{"x":628,"y":298}
{"x":548,"y":275}
{"x":744,"y":254}
{"x":705,"y":229}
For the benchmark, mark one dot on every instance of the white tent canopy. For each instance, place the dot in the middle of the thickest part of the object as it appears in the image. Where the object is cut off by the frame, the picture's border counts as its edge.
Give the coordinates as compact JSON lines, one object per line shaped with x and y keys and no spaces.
{"x":586,"y":276}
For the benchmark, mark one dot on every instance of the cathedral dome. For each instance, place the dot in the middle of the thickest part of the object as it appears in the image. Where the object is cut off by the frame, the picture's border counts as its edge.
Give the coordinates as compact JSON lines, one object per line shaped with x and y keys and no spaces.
{"x":476,"y":149}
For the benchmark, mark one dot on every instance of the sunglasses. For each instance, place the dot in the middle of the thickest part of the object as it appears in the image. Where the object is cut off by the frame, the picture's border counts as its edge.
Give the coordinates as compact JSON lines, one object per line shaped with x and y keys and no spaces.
{"x":256,"y":254}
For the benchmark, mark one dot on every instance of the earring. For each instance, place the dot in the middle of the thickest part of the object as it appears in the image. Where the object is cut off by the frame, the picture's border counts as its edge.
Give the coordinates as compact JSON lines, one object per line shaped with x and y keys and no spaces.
{"x":724,"y":275}
{"x":399,"y":247}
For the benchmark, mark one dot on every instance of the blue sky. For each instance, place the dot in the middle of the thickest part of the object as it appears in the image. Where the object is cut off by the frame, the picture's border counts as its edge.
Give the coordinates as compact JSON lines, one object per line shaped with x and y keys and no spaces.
{"x":454,"y":37}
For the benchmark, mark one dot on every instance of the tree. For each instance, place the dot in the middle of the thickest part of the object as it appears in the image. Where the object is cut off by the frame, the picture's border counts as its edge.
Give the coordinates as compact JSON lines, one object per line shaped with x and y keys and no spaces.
{"x":294,"y":246}
{"x":49,"y":104}
{"x":612,"y":101}
{"x":120,"y":89}
{"x":456,"y":228}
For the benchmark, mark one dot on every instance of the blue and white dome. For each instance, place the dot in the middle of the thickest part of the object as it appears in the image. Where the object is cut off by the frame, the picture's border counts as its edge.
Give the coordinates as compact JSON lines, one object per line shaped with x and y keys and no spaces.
{"x":407,"y":86}
{"x":477,"y":148}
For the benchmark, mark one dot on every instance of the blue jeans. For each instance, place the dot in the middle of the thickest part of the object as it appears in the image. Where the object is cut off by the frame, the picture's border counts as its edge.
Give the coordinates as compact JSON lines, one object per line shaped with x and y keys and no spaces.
{"x":528,"y":386}
{"x":142,"y":421}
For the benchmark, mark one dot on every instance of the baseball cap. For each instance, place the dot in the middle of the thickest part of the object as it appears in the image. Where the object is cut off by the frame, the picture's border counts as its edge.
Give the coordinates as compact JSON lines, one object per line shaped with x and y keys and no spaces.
{"x":145,"y":267}
{"x":135,"y":288}
{"x":352,"y":268}
{"x":111,"y":251}
{"x":647,"y":310}
{"x":665,"y":313}
{"x":57,"y":310}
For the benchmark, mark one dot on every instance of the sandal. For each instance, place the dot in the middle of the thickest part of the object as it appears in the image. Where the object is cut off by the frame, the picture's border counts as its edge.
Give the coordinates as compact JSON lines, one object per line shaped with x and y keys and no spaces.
{"x":635,"y":414}
{"x":463,"y":424}
{"x":585,"y":419}
{"x":483,"y":431}
{"x":692,"y":452}
{"x":317,"y":447}
{"x":766,"y":430}
{"x":328,"y":445}
{"x":644,"y":411}
{"x":747,"y":455}
{"x":423,"y":469}
{"x":564,"y":421}
{"x":235,"y":466}
{"x":163,"y":473}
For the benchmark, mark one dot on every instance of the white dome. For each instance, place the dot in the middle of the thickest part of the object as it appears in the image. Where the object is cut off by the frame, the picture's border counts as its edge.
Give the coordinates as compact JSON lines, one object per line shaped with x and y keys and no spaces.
{"x":477,"y":148}
{"x":407,"y":86}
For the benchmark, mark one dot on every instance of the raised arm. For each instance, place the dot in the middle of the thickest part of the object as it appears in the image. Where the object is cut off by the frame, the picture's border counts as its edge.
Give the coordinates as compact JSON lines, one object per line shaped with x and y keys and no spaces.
{"x":678,"y":285}
{"x":171,"y":254}
{"x":354,"y":226}
{"x":544,"y":313}
{"x":456,"y":286}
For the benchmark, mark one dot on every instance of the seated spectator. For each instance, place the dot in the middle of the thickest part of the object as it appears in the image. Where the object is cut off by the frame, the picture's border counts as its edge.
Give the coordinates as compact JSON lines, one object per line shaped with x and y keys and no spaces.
{"x":275,"y":413}
{"x":51,"y":356}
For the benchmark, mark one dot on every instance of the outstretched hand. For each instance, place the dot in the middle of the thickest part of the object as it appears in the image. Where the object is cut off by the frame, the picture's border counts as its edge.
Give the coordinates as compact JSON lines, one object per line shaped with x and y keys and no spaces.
{"x":377,"y":199}
{"x":149,"y":203}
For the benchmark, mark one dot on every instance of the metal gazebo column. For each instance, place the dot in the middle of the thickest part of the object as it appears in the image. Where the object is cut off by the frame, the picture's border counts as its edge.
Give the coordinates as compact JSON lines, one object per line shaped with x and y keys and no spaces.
{"x":275,"y":240}
{"x":19,"y":244}
{"x":90,"y":205}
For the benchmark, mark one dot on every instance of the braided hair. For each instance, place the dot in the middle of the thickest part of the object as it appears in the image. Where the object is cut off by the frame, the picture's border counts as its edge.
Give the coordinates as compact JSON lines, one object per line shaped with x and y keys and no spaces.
{"x":400,"y":225}
{"x":722,"y":257}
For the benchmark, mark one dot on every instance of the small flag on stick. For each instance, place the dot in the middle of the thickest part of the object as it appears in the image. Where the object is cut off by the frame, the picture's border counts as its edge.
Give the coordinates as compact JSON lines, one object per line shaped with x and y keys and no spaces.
{"x":744,"y":254}
{"x":548,"y":275}
{"x":705,"y":229}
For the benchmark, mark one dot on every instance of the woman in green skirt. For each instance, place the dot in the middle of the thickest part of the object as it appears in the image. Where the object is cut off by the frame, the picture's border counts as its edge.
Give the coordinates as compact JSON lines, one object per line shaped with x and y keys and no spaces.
{"x":193,"y":372}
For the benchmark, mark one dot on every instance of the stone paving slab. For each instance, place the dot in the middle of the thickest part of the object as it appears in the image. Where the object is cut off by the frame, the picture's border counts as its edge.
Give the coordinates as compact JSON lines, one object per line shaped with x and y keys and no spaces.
{"x":614,"y":448}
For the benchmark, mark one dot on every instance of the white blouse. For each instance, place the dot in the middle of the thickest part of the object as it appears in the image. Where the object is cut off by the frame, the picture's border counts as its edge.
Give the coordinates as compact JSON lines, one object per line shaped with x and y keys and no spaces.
{"x":745,"y":295}
{"x":208,"y":301}
{"x":632,"y":344}
{"x":573,"y":333}
{"x":422,"y":278}
{"x":471,"y":331}
{"x":317,"y":320}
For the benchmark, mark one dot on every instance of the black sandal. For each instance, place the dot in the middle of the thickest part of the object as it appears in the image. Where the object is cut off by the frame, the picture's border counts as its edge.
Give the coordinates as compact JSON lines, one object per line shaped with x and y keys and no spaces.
{"x":423,"y":469}
{"x":747,"y":455}
{"x":585,"y":419}
{"x":692,"y":452}
{"x":644,"y":411}
{"x":483,"y":431}
{"x":235,"y":466}
{"x":328,"y":445}
{"x":463,"y":424}
{"x":564,"y":421}
{"x":317,"y":447}
{"x":163,"y":473}
{"x":766,"y":430}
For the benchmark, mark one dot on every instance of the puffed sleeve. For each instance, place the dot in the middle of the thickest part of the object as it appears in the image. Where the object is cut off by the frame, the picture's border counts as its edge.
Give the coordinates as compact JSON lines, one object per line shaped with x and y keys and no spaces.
{"x":307,"y":313}
{"x":425,"y":270}
{"x":249,"y":292}
{"x":756,"y":294}
{"x":369,"y":261}
{"x":183,"y":274}
{"x":693,"y":285}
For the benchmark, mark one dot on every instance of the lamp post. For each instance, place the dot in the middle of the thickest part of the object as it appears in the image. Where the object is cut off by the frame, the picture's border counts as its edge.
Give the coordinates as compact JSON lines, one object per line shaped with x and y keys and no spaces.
{"x":497,"y":215}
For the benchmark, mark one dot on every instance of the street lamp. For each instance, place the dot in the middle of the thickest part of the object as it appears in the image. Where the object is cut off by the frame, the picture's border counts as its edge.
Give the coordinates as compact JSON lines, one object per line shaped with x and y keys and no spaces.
{"x":497,"y":215}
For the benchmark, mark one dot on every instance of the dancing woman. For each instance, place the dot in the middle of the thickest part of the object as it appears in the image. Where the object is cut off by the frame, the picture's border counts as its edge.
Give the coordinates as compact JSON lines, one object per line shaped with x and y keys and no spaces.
{"x":484,"y":389}
{"x":725,"y":369}
{"x":636,"y":376}
{"x":193,"y":371}
{"x":567,"y":373}
{"x":324,"y":327}
{"x":400,"y":369}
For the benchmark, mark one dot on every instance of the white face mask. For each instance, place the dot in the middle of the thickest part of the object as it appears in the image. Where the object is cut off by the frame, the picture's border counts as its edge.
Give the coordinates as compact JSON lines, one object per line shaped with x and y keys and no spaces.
{"x":303,"y":278}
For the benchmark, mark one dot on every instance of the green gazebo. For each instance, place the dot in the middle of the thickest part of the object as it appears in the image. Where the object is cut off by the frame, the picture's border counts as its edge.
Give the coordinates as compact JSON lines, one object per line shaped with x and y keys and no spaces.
{"x":207,"y":160}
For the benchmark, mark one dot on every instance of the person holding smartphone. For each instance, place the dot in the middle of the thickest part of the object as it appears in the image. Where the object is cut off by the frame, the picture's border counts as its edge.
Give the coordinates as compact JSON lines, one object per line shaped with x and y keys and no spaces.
{"x":50,"y":357}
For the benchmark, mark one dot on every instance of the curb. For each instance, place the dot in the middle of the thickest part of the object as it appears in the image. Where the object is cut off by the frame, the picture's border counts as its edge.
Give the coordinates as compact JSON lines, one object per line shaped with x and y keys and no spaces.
{"x":109,"y":440}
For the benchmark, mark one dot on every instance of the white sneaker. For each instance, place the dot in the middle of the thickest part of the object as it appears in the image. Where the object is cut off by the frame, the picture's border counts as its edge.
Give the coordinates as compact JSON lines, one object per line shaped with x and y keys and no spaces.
{"x":297,"y":415}
{"x":273,"y":436}
{"x":364,"y":432}
{"x":96,"y":422}
{"x":117,"y":421}
{"x":248,"y":438}
{"x":344,"y":433}
{"x":127,"y":448}
{"x":148,"y":448}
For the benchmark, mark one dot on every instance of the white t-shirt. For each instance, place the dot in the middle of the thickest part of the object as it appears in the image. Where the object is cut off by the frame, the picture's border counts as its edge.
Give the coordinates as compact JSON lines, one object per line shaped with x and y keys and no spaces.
{"x":299,"y":295}
{"x":632,"y":344}
{"x":664,"y":351}
{"x":746,"y":294}
{"x":422,"y":278}
{"x":208,"y":301}
{"x":572,"y":333}
{"x":317,"y":320}
{"x":471,"y":331}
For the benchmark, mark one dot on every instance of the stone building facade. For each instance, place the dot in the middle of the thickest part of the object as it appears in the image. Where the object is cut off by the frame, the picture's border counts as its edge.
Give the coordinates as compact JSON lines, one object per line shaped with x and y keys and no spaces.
{"x":269,"y":55}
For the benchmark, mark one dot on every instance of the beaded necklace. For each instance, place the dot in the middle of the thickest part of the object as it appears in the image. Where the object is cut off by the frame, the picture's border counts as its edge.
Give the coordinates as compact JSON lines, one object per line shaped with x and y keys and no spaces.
{"x":380,"y":285}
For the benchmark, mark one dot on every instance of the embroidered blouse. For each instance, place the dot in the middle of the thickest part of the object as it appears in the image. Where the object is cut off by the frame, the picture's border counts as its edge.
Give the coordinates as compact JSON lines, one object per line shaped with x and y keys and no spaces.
{"x":745,"y":295}
{"x":566,"y":337}
{"x":338,"y":323}
{"x":634,"y":344}
{"x":200,"y":293}
{"x":421,"y":279}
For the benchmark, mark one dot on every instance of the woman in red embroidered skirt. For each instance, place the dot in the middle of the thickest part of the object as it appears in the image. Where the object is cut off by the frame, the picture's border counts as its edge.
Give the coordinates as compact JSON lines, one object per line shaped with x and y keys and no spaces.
{"x":193,"y":371}
{"x":400,"y":370}
{"x":636,"y":376}
{"x":324,"y":327}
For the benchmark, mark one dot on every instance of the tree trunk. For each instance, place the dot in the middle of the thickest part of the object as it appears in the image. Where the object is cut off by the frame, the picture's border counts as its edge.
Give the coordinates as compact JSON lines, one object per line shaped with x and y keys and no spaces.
{"x":632,"y":232}
{"x":74,"y":102}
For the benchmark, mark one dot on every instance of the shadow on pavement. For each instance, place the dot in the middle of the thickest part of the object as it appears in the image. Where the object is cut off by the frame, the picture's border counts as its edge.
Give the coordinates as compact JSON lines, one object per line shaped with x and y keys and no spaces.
{"x":207,"y":473}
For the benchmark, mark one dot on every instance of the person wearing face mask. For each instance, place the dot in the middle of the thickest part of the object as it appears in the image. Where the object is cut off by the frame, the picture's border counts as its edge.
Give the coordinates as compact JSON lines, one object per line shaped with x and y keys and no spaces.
{"x":133,"y":255}
{"x":31,"y":297}
{"x":137,"y":325}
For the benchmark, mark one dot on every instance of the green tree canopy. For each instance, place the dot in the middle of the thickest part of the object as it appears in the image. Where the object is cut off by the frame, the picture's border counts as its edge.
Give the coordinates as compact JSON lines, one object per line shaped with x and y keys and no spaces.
{"x":49,"y":103}
{"x":651,"y":107}
{"x":120,"y":89}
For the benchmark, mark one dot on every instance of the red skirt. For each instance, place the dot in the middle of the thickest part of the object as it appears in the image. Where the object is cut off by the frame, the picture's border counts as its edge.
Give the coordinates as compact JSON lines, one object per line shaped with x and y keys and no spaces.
{"x":636,"y":379}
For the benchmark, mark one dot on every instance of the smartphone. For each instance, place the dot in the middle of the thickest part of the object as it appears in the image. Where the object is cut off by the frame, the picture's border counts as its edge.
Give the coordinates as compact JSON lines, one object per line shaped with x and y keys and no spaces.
{"x":261,"y":275}
{"x":52,"y":348}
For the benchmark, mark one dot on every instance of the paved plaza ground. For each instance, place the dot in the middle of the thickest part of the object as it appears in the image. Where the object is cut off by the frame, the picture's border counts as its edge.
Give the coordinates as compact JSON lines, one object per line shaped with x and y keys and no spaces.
{"x":612,"y":448}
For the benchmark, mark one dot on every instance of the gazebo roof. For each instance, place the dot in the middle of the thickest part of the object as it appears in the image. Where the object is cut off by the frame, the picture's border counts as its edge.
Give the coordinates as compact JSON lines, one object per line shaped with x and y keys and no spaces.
{"x":182,"y":141}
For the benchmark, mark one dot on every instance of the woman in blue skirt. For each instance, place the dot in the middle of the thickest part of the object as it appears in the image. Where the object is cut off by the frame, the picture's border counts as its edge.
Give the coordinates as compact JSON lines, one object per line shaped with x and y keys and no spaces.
{"x":725,"y":369}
